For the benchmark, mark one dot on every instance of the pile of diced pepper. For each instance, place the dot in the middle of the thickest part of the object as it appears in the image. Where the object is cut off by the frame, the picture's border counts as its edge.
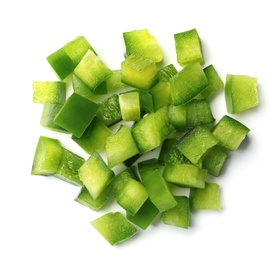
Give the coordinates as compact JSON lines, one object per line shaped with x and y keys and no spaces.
{"x":117,"y":116}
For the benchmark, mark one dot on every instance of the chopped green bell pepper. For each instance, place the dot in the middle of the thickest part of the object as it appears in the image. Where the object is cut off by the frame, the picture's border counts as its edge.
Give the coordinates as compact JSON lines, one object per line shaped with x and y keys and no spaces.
{"x":76,"y":114}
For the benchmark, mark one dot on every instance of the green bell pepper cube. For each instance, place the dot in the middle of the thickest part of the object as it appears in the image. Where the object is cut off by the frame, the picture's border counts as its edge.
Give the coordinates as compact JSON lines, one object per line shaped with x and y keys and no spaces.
{"x":166,"y":73}
{"x":214,"y":82}
{"x":138,"y":72}
{"x":49,"y":92}
{"x":69,"y":166}
{"x":120,"y":179}
{"x":161,"y":90}
{"x":120,"y":146}
{"x":109,"y":110}
{"x":48,"y":156}
{"x":114,"y":227}
{"x":141,"y":42}
{"x":198,"y":112}
{"x":95,"y":136}
{"x":132,"y":195}
{"x":92,"y":70}
{"x":61,"y":63}
{"x":207,"y":198}
{"x":76,"y":114}
{"x":95,"y":175}
{"x":214,"y":159}
{"x":177,"y":116}
{"x":85,"y":199}
{"x":188,"y":83}
{"x":159,"y":191}
{"x":82,"y":89}
{"x":188,"y":47}
{"x":179,"y":215}
{"x":195,"y":143}
{"x":130,"y":106}
{"x":241,"y":93}
{"x":145,"y":215}
{"x":169,"y":153}
{"x":230,"y":132}
{"x":114,"y":81}
{"x":147,"y":167}
{"x":161,"y":95}
{"x":146,"y":102}
{"x":185,"y":175}
{"x":47,"y":118}
{"x":152,"y":130}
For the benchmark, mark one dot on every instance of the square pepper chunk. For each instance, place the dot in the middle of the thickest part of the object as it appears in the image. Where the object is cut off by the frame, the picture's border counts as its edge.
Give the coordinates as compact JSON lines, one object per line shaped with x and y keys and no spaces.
{"x":187,"y":83}
{"x":114,"y":227}
{"x":188,"y":47}
{"x":230,"y":132}
{"x":241,"y":93}
{"x":49,"y":92}
{"x":179,"y":215}
{"x":92,"y":70}
{"x":207,"y":198}
{"x":196,"y":142}
{"x":76,"y":114}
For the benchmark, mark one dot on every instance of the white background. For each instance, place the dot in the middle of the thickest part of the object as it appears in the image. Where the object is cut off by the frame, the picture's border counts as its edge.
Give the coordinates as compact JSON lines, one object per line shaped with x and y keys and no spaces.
{"x":39,"y":218}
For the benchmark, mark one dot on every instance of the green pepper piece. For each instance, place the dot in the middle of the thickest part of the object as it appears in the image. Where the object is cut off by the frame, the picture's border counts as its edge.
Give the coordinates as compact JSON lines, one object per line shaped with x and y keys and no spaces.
{"x":47,"y":118}
{"x":161,"y":91}
{"x":188,"y":83}
{"x":169,"y":153}
{"x":141,"y":42}
{"x":85,"y":199}
{"x":120,"y":146}
{"x":114,"y":227}
{"x":214,"y":82}
{"x":109,"y":110}
{"x":185,"y":175}
{"x":68,"y":169}
{"x":92,"y":70}
{"x":230,"y":132}
{"x":161,"y":94}
{"x":214,"y":159}
{"x":131,"y":196}
{"x":207,"y":198}
{"x":49,"y":92}
{"x":76,"y":114}
{"x":119,"y":180}
{"x":138,"y":72}
{"x":241,"y":93}
{"x":61,"y":63}
{"x":196,"y":142}
{"x":159,"y":191}
{"x":179,"y":215}
{"x":130,"y":106}
{"x":146,"y":102}
{"x":198,"y":112}
{"x":188,"y":47}
{"x":177,"y":116}
{"x":48,"y":156}
{"x":114,"y":81}
{"x":95,"y":136}
{"x":152,"y":130}
{"x":95,"y":174}
{"x":145,"y":215}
